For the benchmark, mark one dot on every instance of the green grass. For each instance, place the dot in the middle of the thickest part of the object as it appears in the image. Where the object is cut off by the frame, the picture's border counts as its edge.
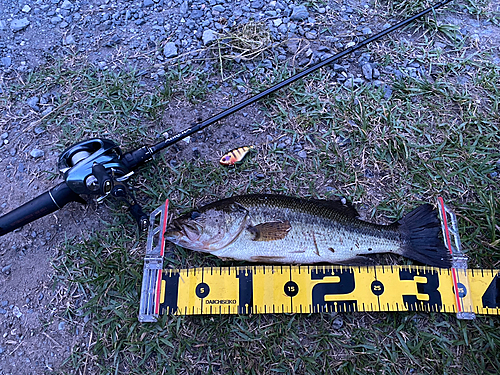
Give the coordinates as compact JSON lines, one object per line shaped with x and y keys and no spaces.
{"x":118,"y":104}
{"x":434,"y":136}
{"x":265,"y":344}
{"x":431,"y":138}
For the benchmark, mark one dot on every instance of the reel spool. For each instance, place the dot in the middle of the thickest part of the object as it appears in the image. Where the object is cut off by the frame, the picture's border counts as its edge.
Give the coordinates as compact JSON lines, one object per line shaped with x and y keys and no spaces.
{"x":86,"y":166}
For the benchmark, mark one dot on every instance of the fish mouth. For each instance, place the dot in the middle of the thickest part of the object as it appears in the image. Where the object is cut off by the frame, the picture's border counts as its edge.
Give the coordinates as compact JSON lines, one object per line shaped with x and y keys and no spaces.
{"x":192,"y":235}
{"x":177,"y":230}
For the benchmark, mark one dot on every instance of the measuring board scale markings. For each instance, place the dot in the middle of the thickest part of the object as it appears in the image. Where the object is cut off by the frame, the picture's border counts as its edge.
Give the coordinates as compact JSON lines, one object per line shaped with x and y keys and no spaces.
{"x":263,"y":289}
{"x":312,"y":289}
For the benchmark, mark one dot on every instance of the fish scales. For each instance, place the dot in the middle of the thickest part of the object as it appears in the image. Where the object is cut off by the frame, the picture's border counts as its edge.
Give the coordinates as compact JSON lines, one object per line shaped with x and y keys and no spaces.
{"x":317,"y":234}
{"x":280,"y":229}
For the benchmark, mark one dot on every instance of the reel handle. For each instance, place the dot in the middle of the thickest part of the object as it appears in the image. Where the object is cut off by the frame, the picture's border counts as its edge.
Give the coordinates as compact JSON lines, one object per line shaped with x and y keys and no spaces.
{"x":44,"y":204}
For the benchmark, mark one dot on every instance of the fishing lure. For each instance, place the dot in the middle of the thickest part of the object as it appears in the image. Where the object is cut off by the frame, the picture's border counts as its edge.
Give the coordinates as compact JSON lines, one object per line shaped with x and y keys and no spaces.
{"x":236,"y":155}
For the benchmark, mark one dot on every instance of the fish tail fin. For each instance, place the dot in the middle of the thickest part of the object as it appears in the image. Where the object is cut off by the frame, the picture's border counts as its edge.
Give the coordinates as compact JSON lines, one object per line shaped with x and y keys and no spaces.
{"x":420,"y":230}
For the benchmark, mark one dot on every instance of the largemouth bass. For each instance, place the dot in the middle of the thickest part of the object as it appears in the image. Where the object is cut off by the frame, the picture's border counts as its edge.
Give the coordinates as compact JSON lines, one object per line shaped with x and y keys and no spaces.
{"x":280,"y":229}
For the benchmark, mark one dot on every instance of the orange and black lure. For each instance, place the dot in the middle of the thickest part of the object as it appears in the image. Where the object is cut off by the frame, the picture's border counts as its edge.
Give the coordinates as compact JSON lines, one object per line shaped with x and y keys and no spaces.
{"x":236,"y":155}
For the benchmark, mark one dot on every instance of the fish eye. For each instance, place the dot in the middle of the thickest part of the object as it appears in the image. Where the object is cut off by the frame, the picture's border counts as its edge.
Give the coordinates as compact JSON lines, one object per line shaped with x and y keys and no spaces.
{"x":195,"y":215}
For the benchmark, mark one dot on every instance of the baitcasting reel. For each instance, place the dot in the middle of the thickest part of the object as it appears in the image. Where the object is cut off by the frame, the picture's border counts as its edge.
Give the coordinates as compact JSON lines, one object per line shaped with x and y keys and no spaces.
{"x":96,"y":167}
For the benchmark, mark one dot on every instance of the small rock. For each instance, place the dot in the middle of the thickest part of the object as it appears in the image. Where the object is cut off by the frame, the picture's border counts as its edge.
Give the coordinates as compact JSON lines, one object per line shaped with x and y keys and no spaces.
{"x":2,"y":311}
{"x":69,"y":39}
{"x":184,"y":7}
{"x":17,"y":313}
{"x":366,"y":31}
{"x":353,"y":82}
{"x":6,"y":61}
{"x":292,"y":46}
{"x":47,"y":111}
{"x":6,"y":269}
{"x":37,"y":153}
{"x":367,"y":71}
{"x":115,"y":39}
{"x":33,"y":103}
{"x":196,"y":152}
{"x":299,"y":13}
{"x":219,"y":8}
{"x":55,"y":20}
{"x":26,"y":9}
{"x":259,"y":176}
{"x":311,"y":35}
{"x":257,"y":4}
{"x":283,"y":29}
{"x":61,"y":326}
{"x":197,"y":14}
{"x":338,"y":68}
{"x":19,"y":24}
{"x":4,"y":303}
{"x":13,"y":151}
{"x":170,"y":50}
{"x":277,"y":22}
{"x":387,"y":92}
{"x":302,"y":154}
{"x":148,"y":3}
{"x":337,"y":323}
{"x":4,"y":135}
{"x":66,"y":5}
{"x":364,"y":58}
{"x":209,"y":36}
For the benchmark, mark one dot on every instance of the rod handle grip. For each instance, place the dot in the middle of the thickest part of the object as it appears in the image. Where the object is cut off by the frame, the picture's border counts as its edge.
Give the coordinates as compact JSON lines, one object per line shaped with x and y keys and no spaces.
{"x":44,"y":204}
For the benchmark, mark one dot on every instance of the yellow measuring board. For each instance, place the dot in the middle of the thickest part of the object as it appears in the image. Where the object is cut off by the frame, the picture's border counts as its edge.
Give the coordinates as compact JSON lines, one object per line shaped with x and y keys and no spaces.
{"x":262,"y":289}
{"x":310,"y":289}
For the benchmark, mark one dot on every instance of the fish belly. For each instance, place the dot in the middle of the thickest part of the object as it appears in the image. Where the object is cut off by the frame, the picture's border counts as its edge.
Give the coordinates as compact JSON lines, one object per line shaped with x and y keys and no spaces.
{"x":314,"y":242}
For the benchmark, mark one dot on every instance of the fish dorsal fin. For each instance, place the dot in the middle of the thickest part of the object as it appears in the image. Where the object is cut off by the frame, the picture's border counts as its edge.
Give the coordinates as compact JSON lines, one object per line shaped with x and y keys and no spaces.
{"x":342,"y":206}
{"x":271,"y":231}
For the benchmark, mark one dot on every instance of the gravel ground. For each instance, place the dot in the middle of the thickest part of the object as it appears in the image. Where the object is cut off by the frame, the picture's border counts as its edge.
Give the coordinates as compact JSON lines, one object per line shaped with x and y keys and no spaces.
{"x":148,"y":34}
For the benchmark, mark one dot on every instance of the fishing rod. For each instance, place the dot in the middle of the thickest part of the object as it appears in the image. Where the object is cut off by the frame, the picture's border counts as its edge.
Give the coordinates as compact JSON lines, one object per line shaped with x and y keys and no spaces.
{"x":97,"y":167}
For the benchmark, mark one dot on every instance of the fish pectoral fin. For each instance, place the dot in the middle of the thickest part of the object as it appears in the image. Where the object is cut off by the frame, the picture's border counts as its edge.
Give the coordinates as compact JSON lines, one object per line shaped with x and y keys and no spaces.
{"x":271,"y":231}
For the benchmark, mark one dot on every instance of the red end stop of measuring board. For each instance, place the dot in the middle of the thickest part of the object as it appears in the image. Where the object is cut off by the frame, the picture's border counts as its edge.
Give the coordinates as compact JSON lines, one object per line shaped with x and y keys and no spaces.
{"x":463,"y":299}
{"x":149,"y":309}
